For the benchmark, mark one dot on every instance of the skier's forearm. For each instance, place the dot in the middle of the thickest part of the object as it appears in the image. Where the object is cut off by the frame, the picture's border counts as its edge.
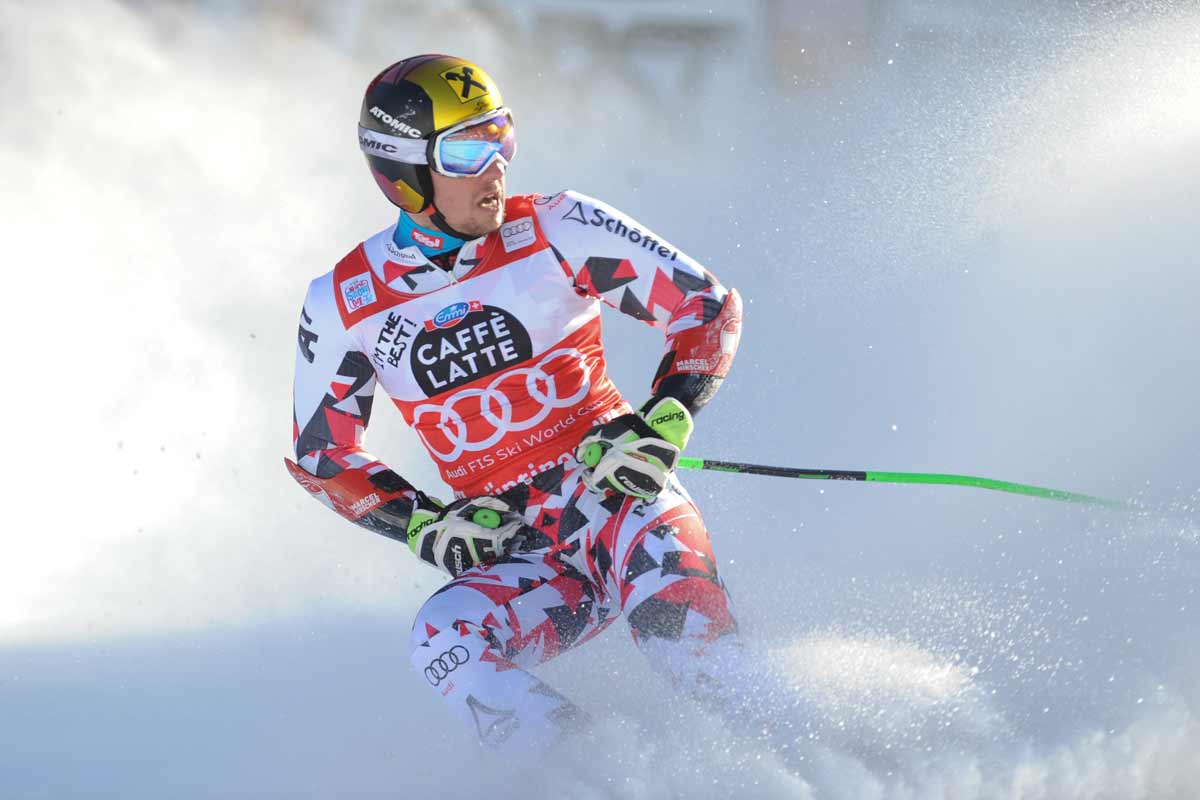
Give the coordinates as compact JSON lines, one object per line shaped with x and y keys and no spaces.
{"x":698,"y":358}
{"x":694,"y":391}
{"x":372,"y":496}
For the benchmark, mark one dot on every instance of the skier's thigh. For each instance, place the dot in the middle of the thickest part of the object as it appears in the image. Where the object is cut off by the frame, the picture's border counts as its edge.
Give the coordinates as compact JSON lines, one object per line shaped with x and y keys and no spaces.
{"x":670,"y":588}
{"x":512,"y":603}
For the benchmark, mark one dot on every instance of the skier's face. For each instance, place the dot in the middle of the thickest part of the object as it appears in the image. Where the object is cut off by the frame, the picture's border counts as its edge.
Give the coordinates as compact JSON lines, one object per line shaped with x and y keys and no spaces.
{"x":472,"y":205}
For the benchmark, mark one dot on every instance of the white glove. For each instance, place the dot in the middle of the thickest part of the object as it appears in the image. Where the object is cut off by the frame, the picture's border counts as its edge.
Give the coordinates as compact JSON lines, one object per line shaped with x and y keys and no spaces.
{"x":465,"y":533}
{"x":635,"y":453}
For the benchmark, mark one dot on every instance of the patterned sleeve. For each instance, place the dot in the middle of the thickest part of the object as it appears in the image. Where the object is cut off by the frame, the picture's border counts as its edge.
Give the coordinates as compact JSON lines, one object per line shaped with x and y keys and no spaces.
{"x":333,"y":391}
{"x":611,"y":256}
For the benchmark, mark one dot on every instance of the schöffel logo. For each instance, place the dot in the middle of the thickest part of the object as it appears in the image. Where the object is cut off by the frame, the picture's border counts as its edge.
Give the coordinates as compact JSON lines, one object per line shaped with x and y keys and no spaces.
{"x":358,"y":291}
{"x":451,"y":315}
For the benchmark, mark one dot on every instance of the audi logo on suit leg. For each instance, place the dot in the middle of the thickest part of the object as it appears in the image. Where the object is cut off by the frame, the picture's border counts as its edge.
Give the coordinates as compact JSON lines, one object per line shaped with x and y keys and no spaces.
{"x":446,"y":663}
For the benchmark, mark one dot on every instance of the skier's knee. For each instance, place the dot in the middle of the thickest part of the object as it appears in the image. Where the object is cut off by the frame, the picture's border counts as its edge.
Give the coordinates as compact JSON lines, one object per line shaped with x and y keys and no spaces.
{"x":427,"y":623}
{"x":448,"y":622}
{"x":694,"y":608}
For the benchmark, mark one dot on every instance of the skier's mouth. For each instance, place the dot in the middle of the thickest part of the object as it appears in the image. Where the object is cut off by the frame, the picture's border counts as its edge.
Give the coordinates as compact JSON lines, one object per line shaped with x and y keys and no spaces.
{"x":490,"y":201}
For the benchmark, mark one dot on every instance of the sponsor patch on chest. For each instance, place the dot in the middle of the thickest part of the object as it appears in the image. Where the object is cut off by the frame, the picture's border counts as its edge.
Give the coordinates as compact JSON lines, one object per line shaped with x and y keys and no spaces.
{"x":407,"y":256}
{"x":517,"y":233}
{"x":420,"y":237}
{"x":358,"y":291}
{"x":465,"y":341}
{"x":452,"y":314}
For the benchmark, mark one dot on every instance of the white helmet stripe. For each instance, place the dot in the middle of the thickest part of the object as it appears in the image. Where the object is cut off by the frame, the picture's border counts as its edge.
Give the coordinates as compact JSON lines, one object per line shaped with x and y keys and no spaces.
{"x":393,"y":148}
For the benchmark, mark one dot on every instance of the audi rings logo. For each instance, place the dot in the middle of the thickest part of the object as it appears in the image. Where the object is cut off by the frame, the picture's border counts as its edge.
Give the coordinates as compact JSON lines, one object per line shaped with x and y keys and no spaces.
{"x":477,"y":419}
{"x":517,"y":233}
{"x":446,"y":663}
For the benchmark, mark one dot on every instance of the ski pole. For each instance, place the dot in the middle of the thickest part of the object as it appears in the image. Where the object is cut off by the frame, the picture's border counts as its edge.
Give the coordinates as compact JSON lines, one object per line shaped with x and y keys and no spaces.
{"x":901,"y":477}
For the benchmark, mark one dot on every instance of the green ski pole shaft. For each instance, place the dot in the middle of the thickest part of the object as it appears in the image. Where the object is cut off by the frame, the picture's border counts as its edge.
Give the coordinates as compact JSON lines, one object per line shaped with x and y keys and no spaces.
{"x":940,"y":479}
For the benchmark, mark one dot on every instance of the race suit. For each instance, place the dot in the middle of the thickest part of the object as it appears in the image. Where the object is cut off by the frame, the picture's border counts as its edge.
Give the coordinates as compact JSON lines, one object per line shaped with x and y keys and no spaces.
{"x":495,"y":358}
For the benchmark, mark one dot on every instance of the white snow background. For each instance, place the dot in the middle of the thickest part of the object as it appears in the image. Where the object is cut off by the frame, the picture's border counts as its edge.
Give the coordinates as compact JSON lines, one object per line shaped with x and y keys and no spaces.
{"x":974,"y":250}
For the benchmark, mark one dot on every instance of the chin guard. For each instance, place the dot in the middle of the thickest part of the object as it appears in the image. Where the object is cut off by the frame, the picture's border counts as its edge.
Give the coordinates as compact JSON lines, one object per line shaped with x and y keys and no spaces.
{"x":438,"y":219}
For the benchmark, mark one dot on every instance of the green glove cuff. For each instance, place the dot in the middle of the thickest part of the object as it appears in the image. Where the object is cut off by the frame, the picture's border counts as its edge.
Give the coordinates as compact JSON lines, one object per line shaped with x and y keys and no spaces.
{"x":423,"y":514}
{"x":671,"y":420}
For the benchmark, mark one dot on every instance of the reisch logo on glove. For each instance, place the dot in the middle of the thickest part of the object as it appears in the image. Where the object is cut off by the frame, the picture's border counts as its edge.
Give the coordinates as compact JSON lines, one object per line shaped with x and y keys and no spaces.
{"x":629,"y":484}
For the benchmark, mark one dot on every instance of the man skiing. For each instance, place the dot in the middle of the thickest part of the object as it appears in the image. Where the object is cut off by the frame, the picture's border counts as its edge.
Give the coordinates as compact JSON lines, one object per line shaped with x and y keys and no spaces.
{"x":479,"y":314}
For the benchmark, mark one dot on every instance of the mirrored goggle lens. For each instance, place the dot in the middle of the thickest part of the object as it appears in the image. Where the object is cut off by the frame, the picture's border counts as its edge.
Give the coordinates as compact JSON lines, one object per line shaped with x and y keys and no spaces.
{"x":472,"y":150}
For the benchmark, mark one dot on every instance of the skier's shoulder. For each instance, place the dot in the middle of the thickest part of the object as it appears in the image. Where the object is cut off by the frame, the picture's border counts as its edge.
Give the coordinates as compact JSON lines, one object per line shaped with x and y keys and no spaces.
{"x":576,"y":223}
{"x":355,"y":260}
{"x":571,"y":214}
{"x":530,"y":217}
{"x":348,"y":285}
{"x":554,"y":208}
{"x":320,"y":293}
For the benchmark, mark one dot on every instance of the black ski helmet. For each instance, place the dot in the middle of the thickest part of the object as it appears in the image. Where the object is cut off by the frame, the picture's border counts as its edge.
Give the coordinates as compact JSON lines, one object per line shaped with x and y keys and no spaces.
{"x":419,"y":97}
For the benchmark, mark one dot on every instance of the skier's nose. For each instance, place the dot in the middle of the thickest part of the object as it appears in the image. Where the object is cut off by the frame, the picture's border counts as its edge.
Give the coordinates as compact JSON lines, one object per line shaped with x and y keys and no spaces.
{"x":494,"y":172}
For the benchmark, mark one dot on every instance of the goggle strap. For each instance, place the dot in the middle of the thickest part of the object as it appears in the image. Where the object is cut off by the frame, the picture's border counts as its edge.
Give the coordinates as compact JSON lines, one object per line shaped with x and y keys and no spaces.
{"x":393,"y":148}
{"x":475,"y":120}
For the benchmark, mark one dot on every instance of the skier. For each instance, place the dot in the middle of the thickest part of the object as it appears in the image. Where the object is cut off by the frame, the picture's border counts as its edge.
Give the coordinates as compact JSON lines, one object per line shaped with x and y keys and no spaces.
{"x":479,"y":313}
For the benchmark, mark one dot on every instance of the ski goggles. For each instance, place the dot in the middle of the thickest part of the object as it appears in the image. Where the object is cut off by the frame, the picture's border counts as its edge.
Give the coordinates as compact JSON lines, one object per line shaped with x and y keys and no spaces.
{"x":461,"y":151}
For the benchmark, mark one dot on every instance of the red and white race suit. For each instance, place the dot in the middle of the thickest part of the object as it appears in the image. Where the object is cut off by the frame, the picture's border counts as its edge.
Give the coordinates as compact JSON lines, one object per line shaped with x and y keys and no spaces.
{"x":498,"y":365}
